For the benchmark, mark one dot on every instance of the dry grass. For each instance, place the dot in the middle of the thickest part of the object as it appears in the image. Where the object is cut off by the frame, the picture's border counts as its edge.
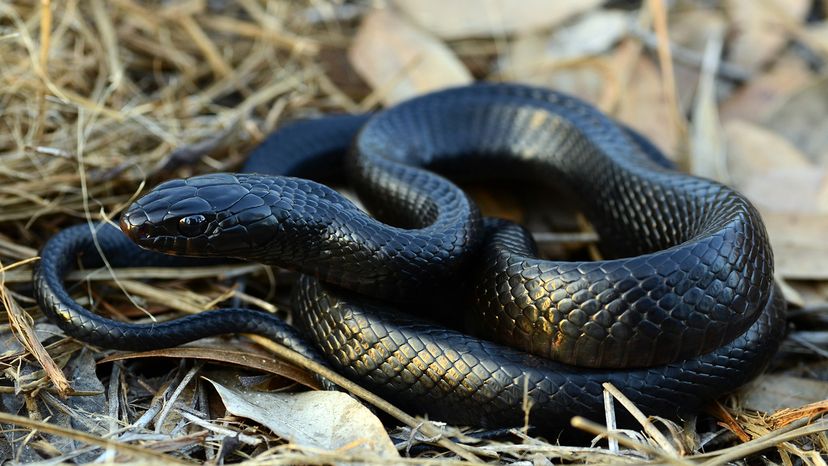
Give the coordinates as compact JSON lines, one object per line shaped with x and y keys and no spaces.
{"x":101,"y":100}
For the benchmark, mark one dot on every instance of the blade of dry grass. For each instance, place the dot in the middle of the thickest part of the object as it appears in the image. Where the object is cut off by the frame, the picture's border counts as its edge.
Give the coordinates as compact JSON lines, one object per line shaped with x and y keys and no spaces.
{"x":123,"y":448}
{"x":43,"y":62}
{"x":21,"y":325}
{"x":109,"y":41}
{"x":274,"y":37}
{"x":668,"y":77}
{"x":597,"y":429}
{"x":792,"y":431}
{"x":642,"y":419}
{"x":214,"y":58}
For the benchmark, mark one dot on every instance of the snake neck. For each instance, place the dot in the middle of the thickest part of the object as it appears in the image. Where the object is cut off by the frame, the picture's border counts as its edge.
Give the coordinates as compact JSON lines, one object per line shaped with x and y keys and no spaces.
{"x":273,"y":219}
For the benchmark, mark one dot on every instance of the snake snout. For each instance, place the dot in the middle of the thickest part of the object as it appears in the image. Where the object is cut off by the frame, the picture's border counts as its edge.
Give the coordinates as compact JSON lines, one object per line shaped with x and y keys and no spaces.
{"x":134,"y":223}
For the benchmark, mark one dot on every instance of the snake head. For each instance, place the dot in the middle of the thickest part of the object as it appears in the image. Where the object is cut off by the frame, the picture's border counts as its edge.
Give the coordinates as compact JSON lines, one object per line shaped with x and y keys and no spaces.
{"x":210,"y":215}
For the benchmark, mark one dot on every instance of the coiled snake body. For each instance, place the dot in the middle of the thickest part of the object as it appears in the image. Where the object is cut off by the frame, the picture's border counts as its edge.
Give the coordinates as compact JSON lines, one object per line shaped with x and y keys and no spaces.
{"x":685,"y":310}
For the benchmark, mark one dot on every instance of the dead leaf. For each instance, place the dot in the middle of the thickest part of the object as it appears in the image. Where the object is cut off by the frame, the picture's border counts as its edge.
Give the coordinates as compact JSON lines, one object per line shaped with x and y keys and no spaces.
{"x":457,"y":19}
{"x":817,"y":36}
{"x":238,"y":358}
{"x":790,"y":192}
{"x":621,"y":64}
{"x":787,"y":416}
{"x":763,"y":94}
{"x":803,"y":120}
{"x":568,"y":60}
{"x":774,"y":392}
{"x":593,"y":34}
{"x":793,"y":293}
{"x":760,"y":31}
{"x":82,"y":413}
{"x":798,"y":242}
{"x":400,"y":61}
{"x":581,"y":78}
{"x":521,"y":62}
{"x":324,"y":420}
{"x":644,"y":107}
{"x":766,"y":168}
{"x":755,"y":151}
{"x":692,"y":29}
{"x":495,"y":204}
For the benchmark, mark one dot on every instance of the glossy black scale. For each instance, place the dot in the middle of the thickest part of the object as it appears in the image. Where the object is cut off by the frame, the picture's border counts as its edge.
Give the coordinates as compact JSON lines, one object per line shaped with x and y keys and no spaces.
{"x":683,"y":311}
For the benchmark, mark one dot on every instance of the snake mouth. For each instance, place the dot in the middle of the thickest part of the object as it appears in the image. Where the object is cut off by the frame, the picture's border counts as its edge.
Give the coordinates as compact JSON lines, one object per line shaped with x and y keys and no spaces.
{"x":135,"y":224}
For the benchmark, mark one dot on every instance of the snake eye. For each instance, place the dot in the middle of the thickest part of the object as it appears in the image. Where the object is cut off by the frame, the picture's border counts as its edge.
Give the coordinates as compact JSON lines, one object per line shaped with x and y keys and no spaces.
{"x":192,"y":225}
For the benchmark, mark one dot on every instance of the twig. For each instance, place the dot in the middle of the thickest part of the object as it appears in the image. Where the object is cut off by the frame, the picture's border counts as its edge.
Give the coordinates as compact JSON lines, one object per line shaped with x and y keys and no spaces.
{"x":597,"y":429}
{"x":248,"y":439}
{"x":159,"y":422}
{"x":109,"y":41}
{"x":207,"y":47}
{"x":609,"y":416}
{"x":665,"y":60}
{"x":275,"y":38}
{"x":544,"y":237}
{"x":690,"y":57}
{"x":642,"y":419}
{"x":791,"y":432}
{"x":123,"y":448}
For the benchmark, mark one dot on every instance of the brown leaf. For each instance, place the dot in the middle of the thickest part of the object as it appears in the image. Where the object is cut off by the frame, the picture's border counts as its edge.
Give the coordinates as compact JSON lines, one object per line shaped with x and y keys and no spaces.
{"x":644,"y":107}
{"x":775,"y":392}
{"x":584,"y":79}
{"x":787,"y":416}
{"x":400,"y":60}
{"x":761,"y":95}
{"x":457,"y":19}
{"x":239,"y":358}
{"x":768,"y":169}
{"x":817,"y":36}
{"x":803,"y":120}
{"x":760,"y":31}
{"x":755,"y":151}
{"x":592,"y":34}
{"x":495,"y":204}
{"x":569,"y":59}
{"x":692,"y":29}
{"x":790,"y":192}
{"x":798,"y":241}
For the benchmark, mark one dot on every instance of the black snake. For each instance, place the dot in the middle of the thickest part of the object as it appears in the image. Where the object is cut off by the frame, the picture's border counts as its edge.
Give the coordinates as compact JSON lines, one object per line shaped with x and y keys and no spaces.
{"x":685,"y":310}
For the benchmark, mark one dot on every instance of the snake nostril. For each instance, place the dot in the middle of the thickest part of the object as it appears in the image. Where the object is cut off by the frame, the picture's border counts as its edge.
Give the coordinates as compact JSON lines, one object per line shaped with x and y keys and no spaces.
{"x":192,"y":225}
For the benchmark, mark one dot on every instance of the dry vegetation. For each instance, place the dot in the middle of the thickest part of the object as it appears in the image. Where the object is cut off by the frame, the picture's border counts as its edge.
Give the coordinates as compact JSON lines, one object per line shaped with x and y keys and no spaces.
{"x":101,"y":99}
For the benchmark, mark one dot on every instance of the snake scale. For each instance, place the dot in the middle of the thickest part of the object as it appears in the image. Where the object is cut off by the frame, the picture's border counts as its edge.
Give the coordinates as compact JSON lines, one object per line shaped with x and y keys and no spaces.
{"x":683,"y":310}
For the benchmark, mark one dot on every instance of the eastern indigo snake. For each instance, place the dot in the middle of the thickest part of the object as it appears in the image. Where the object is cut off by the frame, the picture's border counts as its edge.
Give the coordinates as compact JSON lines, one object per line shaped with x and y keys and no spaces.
{"x":684,"y":311}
